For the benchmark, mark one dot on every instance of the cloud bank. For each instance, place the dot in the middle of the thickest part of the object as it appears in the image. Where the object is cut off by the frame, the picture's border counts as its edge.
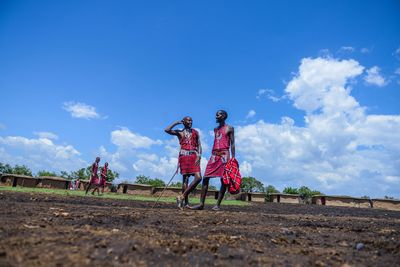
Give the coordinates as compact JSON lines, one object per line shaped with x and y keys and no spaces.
{"x":40,"y":154}
{"x":341,"y":149}
{"x":81,"y":110}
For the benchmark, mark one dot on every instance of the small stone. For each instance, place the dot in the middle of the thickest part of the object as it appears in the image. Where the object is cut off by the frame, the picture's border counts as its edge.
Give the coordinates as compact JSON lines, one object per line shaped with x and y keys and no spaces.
{"x":287,"y":231}
{"x":360,"y":246}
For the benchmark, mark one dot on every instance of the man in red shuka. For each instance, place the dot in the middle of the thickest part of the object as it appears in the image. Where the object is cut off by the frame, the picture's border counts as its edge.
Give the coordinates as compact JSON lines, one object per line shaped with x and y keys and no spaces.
{"x":103,"y":180}
{"x":189,"y":157}
{"x":94,"y":178}
{"x":224,"y":138}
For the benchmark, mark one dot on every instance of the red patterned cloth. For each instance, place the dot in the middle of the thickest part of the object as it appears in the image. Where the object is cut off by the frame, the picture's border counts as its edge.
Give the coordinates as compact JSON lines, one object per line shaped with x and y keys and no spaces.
{"x":232,"y":177}
{"x":95,"y":178}
{"x":189,"y":140}
{"x":103,"y":178}
{"x":189,"y":150}
{"x":222,"y":140}
{"x":187,"y":164}
{"x":220,"y":153}
{"x":216,"y":164}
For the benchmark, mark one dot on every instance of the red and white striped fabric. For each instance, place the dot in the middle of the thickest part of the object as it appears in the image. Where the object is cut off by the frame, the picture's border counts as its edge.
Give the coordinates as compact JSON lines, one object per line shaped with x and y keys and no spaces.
{"x":232,"y":177}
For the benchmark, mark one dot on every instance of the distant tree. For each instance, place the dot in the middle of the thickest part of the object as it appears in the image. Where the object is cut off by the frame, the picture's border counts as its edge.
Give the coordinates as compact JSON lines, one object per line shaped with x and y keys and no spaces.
{"x":111,"y":175}
{"x":66,"y":175}
{"x":177,"y":184}
{"x":46,"y":173}
{"x":141,"y":179}
{"x":22,"y":170}
{"x":270,"y":189}
{"x":387,"y":197}
{"x":251,"y":185}
{"x":366,"y":197}
{"x":81,"y":174}
{"x":5,"y":168}
{"x":291,"y":191}
{"x":157,"y":182}
{"x":304,"y":191}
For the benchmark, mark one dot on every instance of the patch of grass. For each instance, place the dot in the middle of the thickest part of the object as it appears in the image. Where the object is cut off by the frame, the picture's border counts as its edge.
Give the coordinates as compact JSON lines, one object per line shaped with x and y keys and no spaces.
{"x":119,"y":196}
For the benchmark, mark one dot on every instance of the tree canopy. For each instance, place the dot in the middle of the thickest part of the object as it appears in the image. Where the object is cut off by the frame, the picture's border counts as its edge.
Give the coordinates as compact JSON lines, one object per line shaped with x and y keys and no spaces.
{"x":82,"y":174}
{"x":303,"y":191}
{"x":17,"y":169}
{"x":142,"y":179}
{"x":251,"y":185}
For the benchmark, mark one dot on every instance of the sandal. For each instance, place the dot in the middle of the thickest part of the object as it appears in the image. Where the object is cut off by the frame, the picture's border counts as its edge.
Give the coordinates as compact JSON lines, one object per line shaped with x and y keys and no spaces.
{"x":179,"y":201}
{"x":216,"y":208}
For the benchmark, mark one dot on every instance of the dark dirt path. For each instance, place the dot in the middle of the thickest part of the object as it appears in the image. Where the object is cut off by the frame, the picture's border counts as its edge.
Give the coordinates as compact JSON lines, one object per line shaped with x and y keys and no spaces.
{"x":49,"y":230}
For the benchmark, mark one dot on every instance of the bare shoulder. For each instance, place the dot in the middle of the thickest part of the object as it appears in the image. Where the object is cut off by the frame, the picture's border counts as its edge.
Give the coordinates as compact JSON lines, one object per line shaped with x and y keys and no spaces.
{"x":179,"y":132}
{"x":230,"y":129}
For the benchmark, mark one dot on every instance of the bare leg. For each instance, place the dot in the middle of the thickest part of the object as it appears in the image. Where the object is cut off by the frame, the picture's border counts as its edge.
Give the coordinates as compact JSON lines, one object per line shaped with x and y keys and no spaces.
{"x":185,"y":187}
{"x":191,"y":187}
{"x":87,"y":188}
{"x":204,"y":189}
{"x":98,"y":190}
{"x":221,"y":195}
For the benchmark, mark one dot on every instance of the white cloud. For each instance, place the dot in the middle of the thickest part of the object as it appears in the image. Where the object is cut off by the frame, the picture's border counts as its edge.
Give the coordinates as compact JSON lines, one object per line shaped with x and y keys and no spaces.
{"x":2,"y":126}
{"x":251,"y":114}
{"x":245,"y":168}
{"x":39,"y":153}
{"x":397,"y":53}
{"x":149,"y":157}
{"x":130,"y":148}
{"x":81,"y":110}
{"x":126,"y":139}
{"x":339,"y":150}
{"x":270,"y":94}
{"x":347,"y":49}
{"x":325,"y":52}
{"x":397,"y":71}
{"x":393,"y":179}
{"x":163,"y":168}
{"x":365,"y":50}
{"x":374,"y":77}
{"x":47,"y":135}
{"x":136,"y":154}
{"x":321,"y":82}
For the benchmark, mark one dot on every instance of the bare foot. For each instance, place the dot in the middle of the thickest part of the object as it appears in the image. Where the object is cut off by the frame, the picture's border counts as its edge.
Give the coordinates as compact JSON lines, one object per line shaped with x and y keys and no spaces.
{"x":179,"y":201}
{"x":197,"y":207}
{"x":216,"y":208}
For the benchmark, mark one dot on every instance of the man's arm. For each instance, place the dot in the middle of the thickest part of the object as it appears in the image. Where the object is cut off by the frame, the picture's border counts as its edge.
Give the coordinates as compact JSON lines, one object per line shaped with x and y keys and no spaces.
{"x":232,"y":138}
{"x":199,"y":152}
{"x":169,"y":130}
{"x":91,"y":170}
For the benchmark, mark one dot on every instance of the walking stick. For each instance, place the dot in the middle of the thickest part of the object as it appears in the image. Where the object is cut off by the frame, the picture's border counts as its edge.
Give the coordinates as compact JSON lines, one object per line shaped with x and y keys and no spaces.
{"x":162,"y":192}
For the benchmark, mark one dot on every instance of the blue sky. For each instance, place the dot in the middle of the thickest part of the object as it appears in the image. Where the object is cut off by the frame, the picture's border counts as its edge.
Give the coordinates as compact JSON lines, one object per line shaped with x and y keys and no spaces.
{"x":311,"y":87}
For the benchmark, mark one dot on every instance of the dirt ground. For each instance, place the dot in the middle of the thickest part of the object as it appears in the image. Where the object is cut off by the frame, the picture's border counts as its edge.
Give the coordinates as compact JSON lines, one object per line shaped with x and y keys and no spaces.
{"x":50,"y":230}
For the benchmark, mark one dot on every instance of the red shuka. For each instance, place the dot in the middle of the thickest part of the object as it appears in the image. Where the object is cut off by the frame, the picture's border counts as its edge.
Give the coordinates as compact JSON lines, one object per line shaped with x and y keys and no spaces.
{"x":188,"y":154}
{"x":220,"y":153}
{"x":103,"y":178}
{"x":95,"y":178}
{"x":231,"y":177}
